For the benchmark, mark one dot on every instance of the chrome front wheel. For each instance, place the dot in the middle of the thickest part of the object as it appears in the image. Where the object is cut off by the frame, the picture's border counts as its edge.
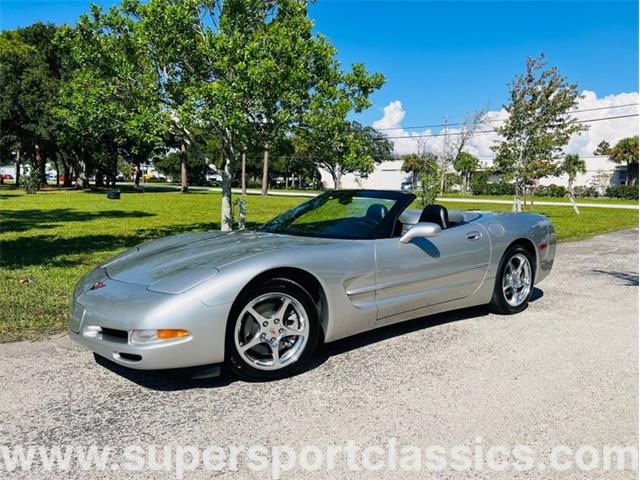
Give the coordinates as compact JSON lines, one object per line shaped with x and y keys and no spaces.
{"x":271,"y":331}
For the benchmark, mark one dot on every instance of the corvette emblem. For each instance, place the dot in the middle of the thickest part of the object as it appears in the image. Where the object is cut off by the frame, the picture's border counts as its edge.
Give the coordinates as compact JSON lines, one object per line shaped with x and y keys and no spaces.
{"x":97,"y":285}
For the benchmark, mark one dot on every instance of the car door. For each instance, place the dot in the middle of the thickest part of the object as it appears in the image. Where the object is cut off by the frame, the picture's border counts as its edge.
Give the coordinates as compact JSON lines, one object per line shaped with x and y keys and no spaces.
{"x":429,"y":271}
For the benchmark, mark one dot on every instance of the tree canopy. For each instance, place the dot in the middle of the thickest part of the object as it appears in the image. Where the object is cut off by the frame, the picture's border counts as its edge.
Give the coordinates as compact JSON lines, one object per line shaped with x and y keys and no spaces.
{"x":539,"y":124}
{"x":146,"y":79}
{"x":626,"y":151}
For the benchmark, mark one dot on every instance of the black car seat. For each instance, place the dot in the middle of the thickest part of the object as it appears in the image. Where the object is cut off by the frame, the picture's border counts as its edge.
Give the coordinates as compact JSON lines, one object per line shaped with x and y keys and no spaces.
{"x":376,"y":212}
{"x":435,"y":214}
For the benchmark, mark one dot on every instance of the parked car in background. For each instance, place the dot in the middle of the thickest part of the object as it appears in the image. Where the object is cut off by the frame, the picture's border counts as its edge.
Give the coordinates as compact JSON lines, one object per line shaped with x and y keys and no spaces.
{"x":406,"y":187}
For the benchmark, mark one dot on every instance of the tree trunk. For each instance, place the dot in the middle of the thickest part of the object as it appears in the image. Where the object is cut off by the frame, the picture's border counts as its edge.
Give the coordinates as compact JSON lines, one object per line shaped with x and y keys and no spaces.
{"x":57,"y":173}
{"x":573,"y":198}
{"x":18,"y":167}
{"x":517,"y":207}
{"x":226,"y":224}
{"x":628,"y":167}
{"x":184,"y":173}
{"x":99,"y":177}
{"x":243,"y":180}
{"x":137,"y":174}
{"x":113,"y":171}
{"x":242,"y":215}
{"x":265,"y":171}
{"x":41,"y":165}
{"x":286,"y":180}
{"x":337,"y":179}
{"x":83,"y":181}
{"x":66,"y":179}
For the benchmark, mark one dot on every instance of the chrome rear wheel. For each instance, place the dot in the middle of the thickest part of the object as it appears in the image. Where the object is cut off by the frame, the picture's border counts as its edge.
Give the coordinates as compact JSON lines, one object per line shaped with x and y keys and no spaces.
{"x":517,"y":280}
{"x":514,"y":280}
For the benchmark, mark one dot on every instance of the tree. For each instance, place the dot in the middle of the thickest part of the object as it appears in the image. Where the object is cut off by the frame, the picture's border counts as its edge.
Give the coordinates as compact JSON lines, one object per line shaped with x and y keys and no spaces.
{"x":538,"y":125}
{"x":30,"y":70}
{"x":237,"y":58}
{"x":466,"y":164}
{"x":344,"y":149}
{"x":411,"y":164}
{"x":113,"y":97}
{"x":572,"y":165}
{"x":455,"y":143}
{"x":626,"y":151}
{"x":15,"y":58}
{"x":430,"y":174}
{"x":603,"y":148}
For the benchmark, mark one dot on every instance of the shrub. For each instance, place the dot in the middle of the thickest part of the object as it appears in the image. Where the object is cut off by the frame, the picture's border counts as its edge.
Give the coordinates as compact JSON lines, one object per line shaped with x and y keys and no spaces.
{"x":479,"y":181}
{"x":551,"y":191}
{"x":499,"y":188}
{"x":31,"y":183}
{"x":583,"y":192}
{"x":623,"y":191}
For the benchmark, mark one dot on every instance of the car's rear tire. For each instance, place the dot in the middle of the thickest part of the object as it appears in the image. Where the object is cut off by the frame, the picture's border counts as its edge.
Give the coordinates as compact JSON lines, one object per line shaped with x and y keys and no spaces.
{"x":272,"y":331}
{"x":514,"y":281}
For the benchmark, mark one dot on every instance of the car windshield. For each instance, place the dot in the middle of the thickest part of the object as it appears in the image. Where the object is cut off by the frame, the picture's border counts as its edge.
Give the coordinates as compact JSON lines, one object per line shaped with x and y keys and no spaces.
{"x":349,"y":214}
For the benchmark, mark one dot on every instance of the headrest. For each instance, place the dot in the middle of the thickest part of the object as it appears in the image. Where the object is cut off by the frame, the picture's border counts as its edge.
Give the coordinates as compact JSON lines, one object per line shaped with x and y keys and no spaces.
{"x":377,"y":212}
{"x":435,"y":214}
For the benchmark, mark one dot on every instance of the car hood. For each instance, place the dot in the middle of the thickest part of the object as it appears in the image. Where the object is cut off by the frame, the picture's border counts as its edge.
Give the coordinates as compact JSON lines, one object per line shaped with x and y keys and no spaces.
{"x":177,"y":263}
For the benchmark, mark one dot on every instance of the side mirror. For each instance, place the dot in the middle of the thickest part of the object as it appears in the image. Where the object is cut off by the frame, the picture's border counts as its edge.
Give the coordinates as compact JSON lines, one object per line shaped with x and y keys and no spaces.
{"x":421,"y":230}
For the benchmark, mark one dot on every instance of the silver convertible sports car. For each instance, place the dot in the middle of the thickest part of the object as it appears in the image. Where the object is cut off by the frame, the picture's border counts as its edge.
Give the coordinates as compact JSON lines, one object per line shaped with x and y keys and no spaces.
{"x":344,"y":262}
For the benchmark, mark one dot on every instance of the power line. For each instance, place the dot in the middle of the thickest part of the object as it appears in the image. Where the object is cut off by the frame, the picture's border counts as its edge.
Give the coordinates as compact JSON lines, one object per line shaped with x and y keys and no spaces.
{"x":494,"y":120}
{"x":427,"y":135}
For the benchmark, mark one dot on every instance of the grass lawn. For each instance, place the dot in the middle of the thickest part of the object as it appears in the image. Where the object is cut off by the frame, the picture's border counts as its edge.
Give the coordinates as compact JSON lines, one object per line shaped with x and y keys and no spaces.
{"x":620,"y":201}
{"x":49,"y":240}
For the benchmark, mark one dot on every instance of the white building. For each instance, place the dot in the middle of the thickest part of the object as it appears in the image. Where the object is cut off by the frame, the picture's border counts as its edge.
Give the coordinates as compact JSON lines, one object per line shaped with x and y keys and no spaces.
{"x":386,"y":176}
{"x":601,"y":172}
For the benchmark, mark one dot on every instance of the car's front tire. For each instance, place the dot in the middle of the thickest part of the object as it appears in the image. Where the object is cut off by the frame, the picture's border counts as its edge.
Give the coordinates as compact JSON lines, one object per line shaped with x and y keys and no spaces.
{"x":514,"y":281}
{"x":273,"y":330}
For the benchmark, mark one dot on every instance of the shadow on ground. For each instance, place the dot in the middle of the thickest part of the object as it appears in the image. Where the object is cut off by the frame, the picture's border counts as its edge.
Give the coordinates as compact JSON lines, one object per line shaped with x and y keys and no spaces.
{"x":51,"y":250}
{"x":179,"y":379}
{"x":23,"y":220}
{"x":628,"y":278}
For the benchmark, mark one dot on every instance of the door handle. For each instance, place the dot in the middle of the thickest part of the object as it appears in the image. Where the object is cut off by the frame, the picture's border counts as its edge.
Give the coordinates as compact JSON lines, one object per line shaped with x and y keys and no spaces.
{"x":474,"y":235}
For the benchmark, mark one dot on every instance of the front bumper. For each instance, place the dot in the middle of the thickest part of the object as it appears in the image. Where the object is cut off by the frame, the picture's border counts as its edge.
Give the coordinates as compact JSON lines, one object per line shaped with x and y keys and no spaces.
{"x":123,"y":307}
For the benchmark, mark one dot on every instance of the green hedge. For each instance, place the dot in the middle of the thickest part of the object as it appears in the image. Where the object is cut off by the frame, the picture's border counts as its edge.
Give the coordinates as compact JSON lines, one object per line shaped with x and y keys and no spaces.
{"x":551,"y":191}
{"x":585,"y":192}
{"x":623,"y":191}
{"x":500,"y":188}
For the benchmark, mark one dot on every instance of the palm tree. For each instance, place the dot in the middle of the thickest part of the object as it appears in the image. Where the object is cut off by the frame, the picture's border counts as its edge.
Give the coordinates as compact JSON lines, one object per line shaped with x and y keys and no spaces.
{"x":411,"y":164}
{"x":626,"y":151}
{"x":465,"y":164}
{"x":572,"y":165}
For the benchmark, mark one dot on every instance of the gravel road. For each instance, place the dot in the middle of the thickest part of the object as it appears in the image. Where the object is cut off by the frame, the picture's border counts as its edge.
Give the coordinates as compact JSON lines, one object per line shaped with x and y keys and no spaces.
{"x":562,"y":373}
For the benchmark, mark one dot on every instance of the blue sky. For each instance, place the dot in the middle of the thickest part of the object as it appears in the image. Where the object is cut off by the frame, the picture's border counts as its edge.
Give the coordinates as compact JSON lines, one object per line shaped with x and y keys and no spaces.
{"x":447,"y":58}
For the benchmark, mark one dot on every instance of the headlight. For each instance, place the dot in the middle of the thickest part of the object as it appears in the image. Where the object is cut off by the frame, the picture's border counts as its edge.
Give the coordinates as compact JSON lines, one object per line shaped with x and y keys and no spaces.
{"x":148,"y":336}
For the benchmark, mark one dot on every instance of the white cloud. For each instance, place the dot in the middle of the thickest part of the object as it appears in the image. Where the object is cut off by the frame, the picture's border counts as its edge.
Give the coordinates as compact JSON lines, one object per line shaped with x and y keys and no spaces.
{"x":406,"y":141}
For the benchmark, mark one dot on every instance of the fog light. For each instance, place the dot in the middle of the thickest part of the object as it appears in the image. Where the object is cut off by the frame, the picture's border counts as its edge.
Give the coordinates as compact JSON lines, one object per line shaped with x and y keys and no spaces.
{"x":143,"y":337}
